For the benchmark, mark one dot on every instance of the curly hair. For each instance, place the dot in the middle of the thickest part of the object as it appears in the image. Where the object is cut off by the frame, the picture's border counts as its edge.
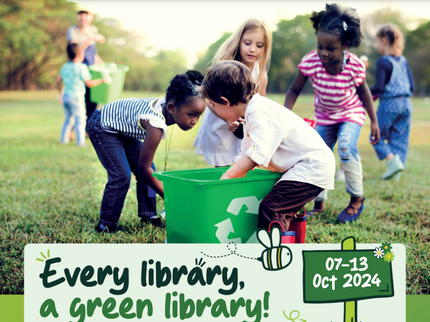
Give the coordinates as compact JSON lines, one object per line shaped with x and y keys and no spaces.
{"x":343,"y":22}
{"x":184,"y":87}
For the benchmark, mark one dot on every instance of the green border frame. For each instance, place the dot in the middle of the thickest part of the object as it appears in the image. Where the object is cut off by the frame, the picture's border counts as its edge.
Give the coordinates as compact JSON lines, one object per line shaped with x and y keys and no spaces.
{"x":12,"y":308}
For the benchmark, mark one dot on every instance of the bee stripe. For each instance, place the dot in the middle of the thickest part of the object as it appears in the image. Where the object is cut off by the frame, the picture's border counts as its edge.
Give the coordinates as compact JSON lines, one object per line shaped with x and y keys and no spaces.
{"x":279,"y":257}
{"x":274,"y":258}
{"x":269,"y":255}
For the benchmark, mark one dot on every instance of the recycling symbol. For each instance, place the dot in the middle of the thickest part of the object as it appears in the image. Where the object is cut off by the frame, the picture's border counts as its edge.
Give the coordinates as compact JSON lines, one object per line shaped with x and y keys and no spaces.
{"x":225,"y":227}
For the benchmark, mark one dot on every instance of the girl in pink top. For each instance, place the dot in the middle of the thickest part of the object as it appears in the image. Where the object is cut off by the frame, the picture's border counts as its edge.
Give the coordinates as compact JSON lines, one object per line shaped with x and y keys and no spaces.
{"x":341,"y":97}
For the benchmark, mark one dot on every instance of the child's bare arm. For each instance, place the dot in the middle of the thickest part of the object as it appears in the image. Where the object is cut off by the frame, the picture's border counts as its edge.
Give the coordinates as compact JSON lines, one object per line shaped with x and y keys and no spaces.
{"x":59,"y":83}
{"x":240,"y":169}
{"x":146,"y":157}
{"x":295,"y":90}
{"x":94,"y":82}
{"x":60,"y":88}
{"x":366,"y":97}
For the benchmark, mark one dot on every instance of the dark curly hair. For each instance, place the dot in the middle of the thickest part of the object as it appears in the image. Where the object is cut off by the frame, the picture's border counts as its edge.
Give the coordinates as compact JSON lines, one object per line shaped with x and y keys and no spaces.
{"x":184,"y":87}
{"x":343,"y":22}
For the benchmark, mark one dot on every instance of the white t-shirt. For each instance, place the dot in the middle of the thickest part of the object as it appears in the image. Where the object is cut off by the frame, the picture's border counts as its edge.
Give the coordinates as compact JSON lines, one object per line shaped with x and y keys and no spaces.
{"x":280,"y":141}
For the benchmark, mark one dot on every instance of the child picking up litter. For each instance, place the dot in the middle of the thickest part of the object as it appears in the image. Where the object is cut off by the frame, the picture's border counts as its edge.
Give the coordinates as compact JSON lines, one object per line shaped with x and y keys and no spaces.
{"x":394,"y":85}
{"x":219,"y":140}
{"x":116,"y":132}
{"x":341,"y":97}
{"x":75,"y":76}
{"x":274,"y":138}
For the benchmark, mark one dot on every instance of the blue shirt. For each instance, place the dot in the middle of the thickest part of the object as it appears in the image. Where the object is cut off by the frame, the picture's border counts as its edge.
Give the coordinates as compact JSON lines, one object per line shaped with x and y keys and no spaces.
{"x":74,"y":75}
{"x":384,"y":69}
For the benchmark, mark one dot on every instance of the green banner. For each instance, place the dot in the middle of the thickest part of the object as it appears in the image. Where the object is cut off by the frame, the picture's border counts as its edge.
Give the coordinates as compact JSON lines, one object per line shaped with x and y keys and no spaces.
{"x":345,"y":275}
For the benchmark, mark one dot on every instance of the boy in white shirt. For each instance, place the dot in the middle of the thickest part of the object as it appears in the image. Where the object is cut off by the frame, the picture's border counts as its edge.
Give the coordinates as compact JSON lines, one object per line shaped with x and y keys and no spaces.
{"x":274,"y":138}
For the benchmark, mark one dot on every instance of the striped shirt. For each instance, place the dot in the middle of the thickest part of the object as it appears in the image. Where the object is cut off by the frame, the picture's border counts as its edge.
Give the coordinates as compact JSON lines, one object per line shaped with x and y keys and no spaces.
{"x":123,"y":116}
{"x":336,"y":99}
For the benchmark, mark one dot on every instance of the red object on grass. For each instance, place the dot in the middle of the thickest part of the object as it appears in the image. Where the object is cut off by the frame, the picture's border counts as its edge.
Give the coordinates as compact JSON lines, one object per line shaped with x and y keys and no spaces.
{"x":287,"y":237}
{"x":298,"y":225}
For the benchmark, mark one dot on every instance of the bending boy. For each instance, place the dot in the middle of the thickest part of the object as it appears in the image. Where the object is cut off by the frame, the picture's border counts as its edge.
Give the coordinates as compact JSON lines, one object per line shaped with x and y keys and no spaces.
{"x":274,"y":138}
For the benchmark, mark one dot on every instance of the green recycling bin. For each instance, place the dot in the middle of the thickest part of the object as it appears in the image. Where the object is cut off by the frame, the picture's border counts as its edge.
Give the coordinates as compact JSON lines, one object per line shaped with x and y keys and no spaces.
{"x":106,"y":93}
{"x":201,"y":208}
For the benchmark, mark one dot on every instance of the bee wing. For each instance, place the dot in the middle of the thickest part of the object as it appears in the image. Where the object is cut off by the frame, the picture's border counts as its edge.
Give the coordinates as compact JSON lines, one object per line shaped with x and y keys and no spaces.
{"x":276,"y":237}
{"x":264,"y":238}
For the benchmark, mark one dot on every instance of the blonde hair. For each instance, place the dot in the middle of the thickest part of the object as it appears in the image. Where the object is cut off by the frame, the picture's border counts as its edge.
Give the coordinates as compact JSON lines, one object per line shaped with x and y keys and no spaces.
{"x":394,"y":37}
{"x":229,"y":50}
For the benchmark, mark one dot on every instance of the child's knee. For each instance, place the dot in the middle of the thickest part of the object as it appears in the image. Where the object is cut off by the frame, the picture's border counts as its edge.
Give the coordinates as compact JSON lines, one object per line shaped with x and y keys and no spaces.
{"x":346,"y":148}
{"x":120,"y":179}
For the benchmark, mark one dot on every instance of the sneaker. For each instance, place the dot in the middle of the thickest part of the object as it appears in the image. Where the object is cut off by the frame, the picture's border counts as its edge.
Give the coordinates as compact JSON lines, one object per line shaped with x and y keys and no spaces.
{"x":344,"y":216}
{"x":156,"y":222}
{"x":107,"y":229}
{"x":394,"y":165}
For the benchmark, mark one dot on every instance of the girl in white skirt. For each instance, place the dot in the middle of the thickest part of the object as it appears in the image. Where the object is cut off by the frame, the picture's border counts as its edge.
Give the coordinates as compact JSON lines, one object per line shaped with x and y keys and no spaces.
{"x":250,"y":44}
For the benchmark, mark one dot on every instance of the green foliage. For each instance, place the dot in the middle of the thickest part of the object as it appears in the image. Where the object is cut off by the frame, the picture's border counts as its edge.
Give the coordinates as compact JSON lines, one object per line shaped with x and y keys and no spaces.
{"x":51,"y":193}
{"x":30,"y":41}
{"x":33,"y":42}
{"x":205,"y":59}
{"x":126,"y":48}
{"x":417,"y":52}
{"x":292,"y":40}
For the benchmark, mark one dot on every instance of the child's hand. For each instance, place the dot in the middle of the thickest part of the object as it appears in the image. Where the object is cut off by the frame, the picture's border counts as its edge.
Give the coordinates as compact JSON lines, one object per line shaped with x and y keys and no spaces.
{"x":375,"y":135}
{"x":99,"y":38}
{"x":107,"y":79}
{"x":60,"y":98}
{"x":232,"y":126}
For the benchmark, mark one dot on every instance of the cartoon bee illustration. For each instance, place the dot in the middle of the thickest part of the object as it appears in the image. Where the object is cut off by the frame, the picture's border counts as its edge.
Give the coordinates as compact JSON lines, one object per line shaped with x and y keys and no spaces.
{"x":275,"y":256}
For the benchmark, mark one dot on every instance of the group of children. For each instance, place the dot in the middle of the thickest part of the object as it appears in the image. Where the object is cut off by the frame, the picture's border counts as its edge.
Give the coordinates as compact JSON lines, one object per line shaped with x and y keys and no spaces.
{"x":242,"y":127}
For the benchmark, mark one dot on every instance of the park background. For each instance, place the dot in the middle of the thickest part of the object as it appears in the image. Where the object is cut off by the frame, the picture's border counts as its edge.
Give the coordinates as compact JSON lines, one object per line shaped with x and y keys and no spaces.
{"x":51,"y":193}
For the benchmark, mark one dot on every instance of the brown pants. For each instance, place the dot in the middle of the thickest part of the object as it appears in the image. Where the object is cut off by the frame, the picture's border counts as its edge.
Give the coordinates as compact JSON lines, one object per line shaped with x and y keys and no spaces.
{"x":284,"y":201}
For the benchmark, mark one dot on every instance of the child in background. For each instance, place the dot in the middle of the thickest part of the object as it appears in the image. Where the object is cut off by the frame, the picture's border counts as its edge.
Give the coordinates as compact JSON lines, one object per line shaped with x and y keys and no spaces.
{"x":274,"y":138}
{"x":341,"y":97}
{"x":250,"y":44}
{"x":116,"y":132}
{"x":394,"y":85}
{"x":75,"y":77}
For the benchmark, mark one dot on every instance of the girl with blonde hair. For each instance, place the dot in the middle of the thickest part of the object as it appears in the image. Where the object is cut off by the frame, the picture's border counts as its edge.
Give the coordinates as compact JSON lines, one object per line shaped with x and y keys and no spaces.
{"x":219,"y":140}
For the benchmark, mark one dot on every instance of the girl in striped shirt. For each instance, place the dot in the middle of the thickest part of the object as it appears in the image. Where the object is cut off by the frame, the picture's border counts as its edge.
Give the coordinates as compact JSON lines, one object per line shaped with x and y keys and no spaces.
{"x":116,"y":132}
{"x":341,"y":97}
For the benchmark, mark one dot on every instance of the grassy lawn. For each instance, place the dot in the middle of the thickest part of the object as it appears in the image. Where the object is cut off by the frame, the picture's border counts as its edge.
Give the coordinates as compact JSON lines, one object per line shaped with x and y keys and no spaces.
{"x":51,"y":193}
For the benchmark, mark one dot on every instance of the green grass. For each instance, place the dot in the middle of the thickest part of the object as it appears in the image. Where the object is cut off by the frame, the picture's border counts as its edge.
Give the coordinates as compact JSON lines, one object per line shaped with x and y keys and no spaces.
{"x":51,"y":193}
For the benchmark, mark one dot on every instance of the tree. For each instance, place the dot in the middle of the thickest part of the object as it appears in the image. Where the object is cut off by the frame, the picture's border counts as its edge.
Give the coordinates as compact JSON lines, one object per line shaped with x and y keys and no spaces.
{"x":32,"y":41}
{"x":417,"y":53}
{"x":292,"y":40}
{"x":205,"y":59}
